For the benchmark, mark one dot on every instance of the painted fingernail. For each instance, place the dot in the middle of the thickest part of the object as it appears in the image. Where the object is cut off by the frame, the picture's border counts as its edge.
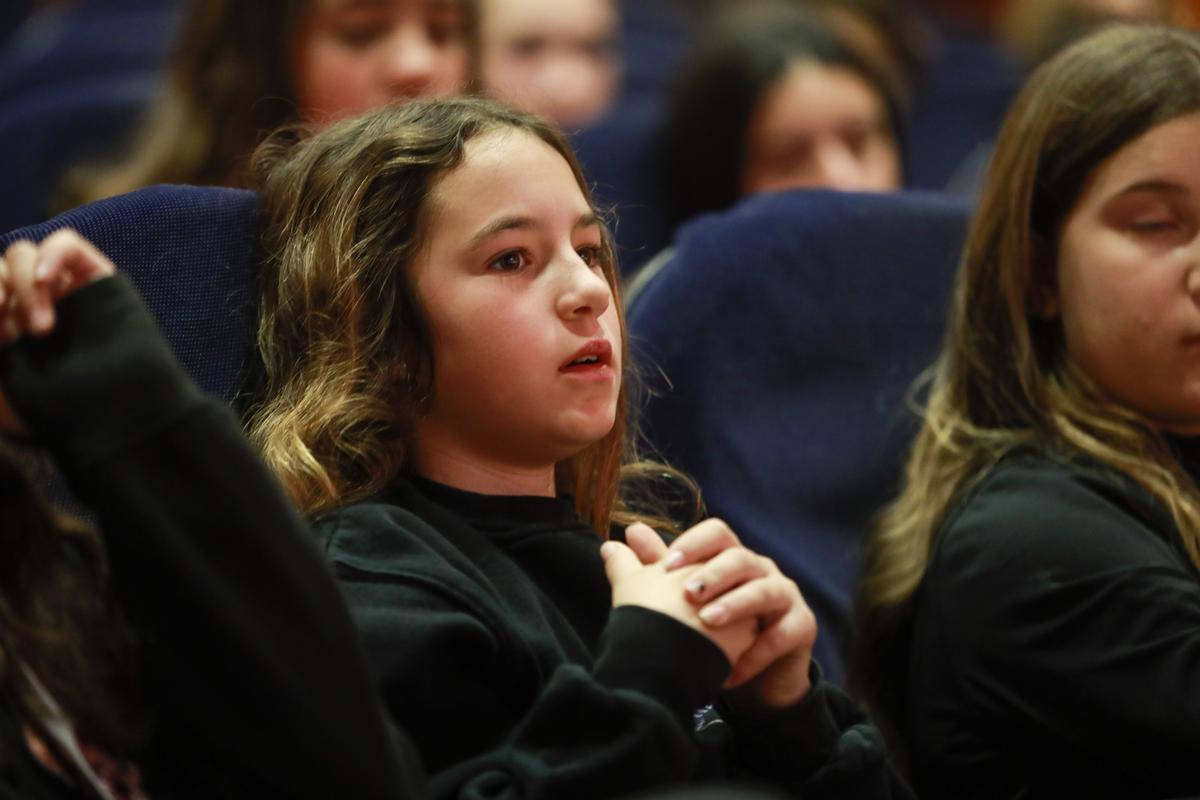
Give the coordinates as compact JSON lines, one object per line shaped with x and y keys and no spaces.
{"x":674,"y":559}
{"x":714,"y":614}
{"x":695,"y":586}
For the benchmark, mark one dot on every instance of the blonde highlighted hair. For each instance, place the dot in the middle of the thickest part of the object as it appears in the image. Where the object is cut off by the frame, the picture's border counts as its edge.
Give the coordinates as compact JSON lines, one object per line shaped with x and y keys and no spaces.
{"x":345,"y":342}
{"x":1002,"y":380}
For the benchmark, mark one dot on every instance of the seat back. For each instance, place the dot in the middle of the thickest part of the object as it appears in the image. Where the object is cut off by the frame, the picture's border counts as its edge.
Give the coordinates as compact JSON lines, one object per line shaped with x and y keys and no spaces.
{"x":193,"y":254}
{"x":780,"y":343}
{"x":616,"y":155}
{"x":959,"y":104}
{"x":75,"y":82}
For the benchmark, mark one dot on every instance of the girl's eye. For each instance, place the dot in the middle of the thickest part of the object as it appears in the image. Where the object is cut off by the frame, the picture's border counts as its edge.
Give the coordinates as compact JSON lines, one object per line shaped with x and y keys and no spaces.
{"x":855,"y":139}
{"x":1153,"y":225}
{"x":590,"y":255}
{"x":512,"y":261}
{"x":359,"y":35}
{"x":447,"y":24}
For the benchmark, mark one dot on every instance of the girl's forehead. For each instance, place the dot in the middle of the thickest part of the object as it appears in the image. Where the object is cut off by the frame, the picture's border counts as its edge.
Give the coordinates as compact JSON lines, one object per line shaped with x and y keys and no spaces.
{"x":518,"y":159}
{"x":1166,"y":152}
{"x":508,"y":171}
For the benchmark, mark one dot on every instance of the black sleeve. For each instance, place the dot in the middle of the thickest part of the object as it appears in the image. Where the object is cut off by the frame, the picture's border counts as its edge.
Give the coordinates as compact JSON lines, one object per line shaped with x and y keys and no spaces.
{"x":251,"y":664}
{"x":451,"y":671}
{"x":1068,"y":615}
{"x":823,"y":748}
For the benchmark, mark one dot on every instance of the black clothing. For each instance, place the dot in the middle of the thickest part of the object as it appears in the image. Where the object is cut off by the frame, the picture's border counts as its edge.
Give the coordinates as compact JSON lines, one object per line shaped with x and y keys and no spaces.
{"x":1055,"y":647}
{"x":250,"y":664}
{"x":487,"y":621}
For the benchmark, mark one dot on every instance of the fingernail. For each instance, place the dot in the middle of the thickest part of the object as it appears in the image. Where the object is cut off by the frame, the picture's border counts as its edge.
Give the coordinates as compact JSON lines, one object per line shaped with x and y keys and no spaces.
{"x":714,"y":614}
{"x":41,"y":319}
{"x":42,"y":270}
{"x":606,"y":550}
{"x":695,"y":586}
{"x":674,"y":559}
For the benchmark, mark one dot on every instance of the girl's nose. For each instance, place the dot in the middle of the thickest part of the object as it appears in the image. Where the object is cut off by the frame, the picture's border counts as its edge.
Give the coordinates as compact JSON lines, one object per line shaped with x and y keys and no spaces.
{"x":410,"y":61}
{"x":837,"y":167}
{"x":586,"y":293}
{"x":1192,"y":278}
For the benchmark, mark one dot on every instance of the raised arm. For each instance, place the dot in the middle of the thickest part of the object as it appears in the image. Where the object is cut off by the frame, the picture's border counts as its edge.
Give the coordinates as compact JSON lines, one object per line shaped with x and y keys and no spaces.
{"x":250,"y":662}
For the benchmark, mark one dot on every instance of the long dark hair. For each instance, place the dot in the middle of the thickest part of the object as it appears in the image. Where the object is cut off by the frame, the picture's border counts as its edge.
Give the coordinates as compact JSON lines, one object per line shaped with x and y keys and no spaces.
{"x":56,"y":618}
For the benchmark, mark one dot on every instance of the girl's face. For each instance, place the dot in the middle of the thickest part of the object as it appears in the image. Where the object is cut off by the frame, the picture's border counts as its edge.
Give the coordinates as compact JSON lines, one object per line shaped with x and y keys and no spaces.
{"x":526,"y":336}
{"x":554,"y":58}
{"x":354,"y":55}
{"x":820,"y":127}
{"x":1128,"y":276}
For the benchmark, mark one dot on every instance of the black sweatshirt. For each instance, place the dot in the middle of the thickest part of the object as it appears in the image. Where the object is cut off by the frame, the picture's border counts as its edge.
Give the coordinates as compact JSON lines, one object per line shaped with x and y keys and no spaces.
{"x":487,"y":621}
{"x":1056,"y":644}
{"x":252,"y":668}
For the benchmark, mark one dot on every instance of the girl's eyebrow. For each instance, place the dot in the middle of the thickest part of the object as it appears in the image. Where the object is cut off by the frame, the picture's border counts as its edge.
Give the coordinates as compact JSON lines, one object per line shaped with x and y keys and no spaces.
{"x":519,"y":223}
{"x":1153,"y":185}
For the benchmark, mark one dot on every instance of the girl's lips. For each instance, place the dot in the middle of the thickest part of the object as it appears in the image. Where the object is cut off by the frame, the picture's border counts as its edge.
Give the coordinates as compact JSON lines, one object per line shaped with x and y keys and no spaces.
{"x":593,"y":356}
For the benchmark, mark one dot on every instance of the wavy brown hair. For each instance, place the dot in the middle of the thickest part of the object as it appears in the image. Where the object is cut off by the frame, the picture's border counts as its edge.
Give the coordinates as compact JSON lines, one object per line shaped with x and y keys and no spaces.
{"x":1002,"y":380}
{"x":345,"y":342}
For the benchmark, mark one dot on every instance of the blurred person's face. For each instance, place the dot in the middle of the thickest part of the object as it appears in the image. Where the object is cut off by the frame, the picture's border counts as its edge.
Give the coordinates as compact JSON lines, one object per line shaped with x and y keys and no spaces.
{"x":354,"y":55}
{"x":820,"y":126}
{"x":554,"y":58}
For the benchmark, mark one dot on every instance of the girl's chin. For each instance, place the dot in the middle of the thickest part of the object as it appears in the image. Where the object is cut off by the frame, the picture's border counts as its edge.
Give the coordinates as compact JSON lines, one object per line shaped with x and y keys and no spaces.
{"x":587,"y":434}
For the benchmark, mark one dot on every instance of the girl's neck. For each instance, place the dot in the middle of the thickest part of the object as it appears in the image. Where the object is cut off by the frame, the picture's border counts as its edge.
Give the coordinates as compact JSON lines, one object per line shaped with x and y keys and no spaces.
{"x":469,"y":472}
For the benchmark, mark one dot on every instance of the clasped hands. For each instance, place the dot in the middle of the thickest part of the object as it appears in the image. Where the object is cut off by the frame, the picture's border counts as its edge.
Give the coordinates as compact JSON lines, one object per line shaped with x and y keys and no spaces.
{"x":740,"y":600}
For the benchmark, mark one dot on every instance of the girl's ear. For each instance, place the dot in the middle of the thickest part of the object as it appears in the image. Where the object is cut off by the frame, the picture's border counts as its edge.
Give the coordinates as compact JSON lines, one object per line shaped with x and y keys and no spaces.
{"x":1042,"y":299}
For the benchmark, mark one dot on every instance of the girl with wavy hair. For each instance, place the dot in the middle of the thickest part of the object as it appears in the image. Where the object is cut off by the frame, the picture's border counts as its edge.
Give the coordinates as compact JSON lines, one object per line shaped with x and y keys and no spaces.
{"x":447,"y":382}
{"x":1029,"y":611}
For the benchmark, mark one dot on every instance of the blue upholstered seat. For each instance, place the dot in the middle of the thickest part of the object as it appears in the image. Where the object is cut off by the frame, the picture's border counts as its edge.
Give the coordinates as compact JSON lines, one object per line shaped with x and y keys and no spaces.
{"x":75,"y":80}
{"x":193,"y":254}
{"x":781,"y":340}
{"x":615,"y":153}
{"x":959,"y":104}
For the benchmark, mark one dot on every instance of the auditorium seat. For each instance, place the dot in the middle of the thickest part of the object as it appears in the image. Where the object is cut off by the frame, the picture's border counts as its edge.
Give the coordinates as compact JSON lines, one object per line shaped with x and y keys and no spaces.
{"x":959,"y":103}
{"x":193,"y":254}
{"x":75,"y":80}
{"x":779,"y":342}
